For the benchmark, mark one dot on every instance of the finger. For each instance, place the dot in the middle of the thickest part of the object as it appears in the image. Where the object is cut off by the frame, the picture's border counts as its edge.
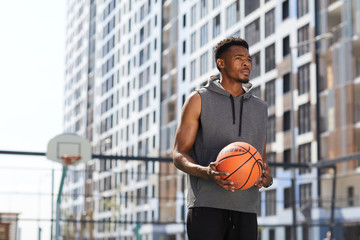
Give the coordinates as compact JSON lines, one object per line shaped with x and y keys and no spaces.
{"x":266,"y":175}
{"x":258,"y":184}
{"x":213,"y":165}
{"x":265,"y":167}
{"x":228,"y":185}
{"x":222,"y":174}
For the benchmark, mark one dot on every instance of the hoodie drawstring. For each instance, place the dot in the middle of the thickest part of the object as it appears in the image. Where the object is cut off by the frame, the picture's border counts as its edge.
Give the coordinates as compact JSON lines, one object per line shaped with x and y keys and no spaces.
{"x":240,"y":117}
{"x":232,"y":107}
{"x":233,"y":111}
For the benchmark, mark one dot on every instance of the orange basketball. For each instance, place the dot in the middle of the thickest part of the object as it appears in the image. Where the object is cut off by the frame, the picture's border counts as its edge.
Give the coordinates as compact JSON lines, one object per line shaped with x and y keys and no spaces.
{"x":243,"y":163}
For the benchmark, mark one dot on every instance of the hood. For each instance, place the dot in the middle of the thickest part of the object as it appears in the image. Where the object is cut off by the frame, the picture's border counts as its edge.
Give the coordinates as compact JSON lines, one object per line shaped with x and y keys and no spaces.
{"x":215,"y":86}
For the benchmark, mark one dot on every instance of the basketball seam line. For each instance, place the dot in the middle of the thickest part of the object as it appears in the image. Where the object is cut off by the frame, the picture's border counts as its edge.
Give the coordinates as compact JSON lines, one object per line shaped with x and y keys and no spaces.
{"x":252,"y":155}
{"x":256,"y":162}
{"x":247,"y":151}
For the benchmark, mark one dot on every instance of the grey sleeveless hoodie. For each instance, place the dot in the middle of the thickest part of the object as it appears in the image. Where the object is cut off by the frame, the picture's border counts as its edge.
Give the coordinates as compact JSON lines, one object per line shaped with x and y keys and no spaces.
{"x":225,"y":119}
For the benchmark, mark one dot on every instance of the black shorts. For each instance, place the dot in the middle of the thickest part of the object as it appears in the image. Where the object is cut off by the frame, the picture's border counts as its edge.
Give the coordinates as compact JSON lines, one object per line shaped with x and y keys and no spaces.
{"x":219,"y":224}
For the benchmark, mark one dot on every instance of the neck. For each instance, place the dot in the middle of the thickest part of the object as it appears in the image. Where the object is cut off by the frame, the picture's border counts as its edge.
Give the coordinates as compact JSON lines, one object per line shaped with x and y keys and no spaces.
{"x":234,"y":88}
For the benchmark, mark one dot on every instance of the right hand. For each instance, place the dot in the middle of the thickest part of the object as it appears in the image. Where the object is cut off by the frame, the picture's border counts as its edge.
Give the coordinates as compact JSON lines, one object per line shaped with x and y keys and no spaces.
{"x":214,"y":175}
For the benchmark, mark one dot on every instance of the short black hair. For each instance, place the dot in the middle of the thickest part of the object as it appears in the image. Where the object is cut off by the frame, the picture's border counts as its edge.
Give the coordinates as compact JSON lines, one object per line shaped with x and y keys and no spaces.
{"x":224,"y":44}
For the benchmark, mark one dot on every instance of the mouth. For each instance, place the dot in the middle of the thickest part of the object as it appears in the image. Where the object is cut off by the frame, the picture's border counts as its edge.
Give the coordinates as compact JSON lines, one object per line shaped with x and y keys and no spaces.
{"x":245,"y":72}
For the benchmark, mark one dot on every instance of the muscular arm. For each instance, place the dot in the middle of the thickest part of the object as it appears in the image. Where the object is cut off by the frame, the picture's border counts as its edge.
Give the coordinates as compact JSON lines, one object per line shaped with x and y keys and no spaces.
{"x":184,"y":141}
{"x":185,"y":138}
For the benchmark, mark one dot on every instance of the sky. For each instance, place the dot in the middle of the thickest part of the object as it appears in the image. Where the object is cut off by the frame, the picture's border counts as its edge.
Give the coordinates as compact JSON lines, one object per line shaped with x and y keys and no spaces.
{"x":32,"y":57}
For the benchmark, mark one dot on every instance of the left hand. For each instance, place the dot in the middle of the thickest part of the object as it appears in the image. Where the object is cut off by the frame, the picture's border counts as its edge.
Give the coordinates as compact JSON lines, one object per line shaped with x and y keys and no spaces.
{"x":266,"y":178}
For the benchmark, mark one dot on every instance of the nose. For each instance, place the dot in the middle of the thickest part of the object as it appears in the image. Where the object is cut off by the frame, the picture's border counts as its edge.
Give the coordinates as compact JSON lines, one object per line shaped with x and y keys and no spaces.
{"x":246,"y":64}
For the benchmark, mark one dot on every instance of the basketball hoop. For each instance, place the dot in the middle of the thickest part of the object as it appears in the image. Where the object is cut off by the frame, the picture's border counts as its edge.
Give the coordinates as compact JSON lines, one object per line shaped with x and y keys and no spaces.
{"x":70,"y":159}
{"x":69,"y":149}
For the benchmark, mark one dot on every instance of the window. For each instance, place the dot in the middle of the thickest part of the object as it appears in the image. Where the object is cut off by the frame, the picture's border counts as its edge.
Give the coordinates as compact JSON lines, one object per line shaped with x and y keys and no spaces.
{"x":288,"y":233}
{"x":141,"y":97}
{"x":251,"y":5}
{"x":304,"y":156}
{"x":304,"y":118}
{"x":285,"y":9}
{"x":216,"y":26}
{"x":252,"y":32}
{"x":305,"y":195}
{"x":286,"y":83}
{"x":287,"y":157}
{"x":193,"y":42}
{"x":269,"y":22}
{"x":141,"y":57}
{"x":236,"y":34}
{"x":203,"y":8}
{"x":204,"y":63}
{"x":184,"y":47}
{"x":270,"y":202}
{"x":142,"y":34}
{"x":272,"y":234}
{"x":303,"y":36}
{"x":270,"y":93}
{"x":270,"y":58}
{"x":142,"y":12}
{"x":184,"y":20}
{"x":184,"y":74}
{"x":302,"y":7}
{"x":356,"y":104}
{"x":140,"y":126}
{"x":232,"y":14}
{"x":350,"y":196}
{"x":193,"y":70}
{"x":271,"y":129}
{"x":204,"y":34}
{"x":256,"y":68}
{"x":304,"y":79}
{"x":323,"y":114}
{"x":286,"y":121}
{"x":271,"y":158}
{"x":214,"y":65}
{"x":286,"y":46}
{"x":305,"y":231}
{"x":193,"y":15}
{"x":287,"y":197}
{"x":216,"y":3}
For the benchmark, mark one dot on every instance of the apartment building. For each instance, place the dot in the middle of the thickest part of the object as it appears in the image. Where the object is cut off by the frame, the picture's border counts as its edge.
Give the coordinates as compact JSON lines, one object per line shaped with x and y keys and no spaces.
{"x":78,"y":109}
{"x":9,"y":226}
{"x":112,"y":96}
{"x":338,"y":116}
{"x":130,"y":65}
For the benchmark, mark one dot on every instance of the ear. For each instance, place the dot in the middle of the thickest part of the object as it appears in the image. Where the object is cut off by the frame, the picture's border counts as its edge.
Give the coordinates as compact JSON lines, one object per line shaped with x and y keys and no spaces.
{"x":220,"y":63}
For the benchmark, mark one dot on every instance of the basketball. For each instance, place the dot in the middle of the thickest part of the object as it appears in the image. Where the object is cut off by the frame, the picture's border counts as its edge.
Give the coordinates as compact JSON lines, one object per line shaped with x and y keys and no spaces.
{"x":243,"y":163}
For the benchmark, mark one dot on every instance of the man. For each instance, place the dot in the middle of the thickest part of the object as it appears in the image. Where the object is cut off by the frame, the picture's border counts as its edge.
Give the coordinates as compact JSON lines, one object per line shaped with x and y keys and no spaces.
{"x":222,"y":112}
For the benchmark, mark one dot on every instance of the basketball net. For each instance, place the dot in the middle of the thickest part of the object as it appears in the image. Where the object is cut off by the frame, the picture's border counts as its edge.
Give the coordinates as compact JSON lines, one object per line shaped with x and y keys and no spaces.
{"x":70,"y":159}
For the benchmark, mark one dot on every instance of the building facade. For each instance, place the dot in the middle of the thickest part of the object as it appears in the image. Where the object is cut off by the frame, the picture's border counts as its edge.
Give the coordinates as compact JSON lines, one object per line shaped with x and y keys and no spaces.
{"x":131,"y":64}
{"x":9,"y":229}
{"x":339,"y":112}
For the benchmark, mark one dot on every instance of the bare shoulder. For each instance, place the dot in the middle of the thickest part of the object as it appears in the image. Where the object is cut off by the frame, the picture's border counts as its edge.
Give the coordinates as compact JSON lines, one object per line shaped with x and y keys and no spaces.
{"x":193,"y":104}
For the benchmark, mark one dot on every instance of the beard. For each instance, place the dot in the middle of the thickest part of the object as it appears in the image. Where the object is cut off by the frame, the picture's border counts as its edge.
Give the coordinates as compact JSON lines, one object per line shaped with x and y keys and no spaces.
{"x":243,"y":80}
